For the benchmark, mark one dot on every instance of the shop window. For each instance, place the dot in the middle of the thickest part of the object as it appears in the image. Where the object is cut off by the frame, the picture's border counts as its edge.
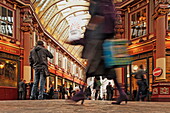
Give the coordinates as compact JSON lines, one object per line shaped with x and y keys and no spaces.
{"x":135,"y":67}
{"x":52,"y":50}
{"x":71,"y":67}
{"x":77,"y":70}
{"x":51,"y":81}
{"x":8,"y":73}
{"x":6,"y":21}
{"x":138,"y":24}
{"x":59,"y":82}
{"x":65,"y":63}
{"x":68,"y":66}
{"x":60,"y":60}
{"x":167,"y":64}
{"x":168,"y":21}
{"x":56,"y":58}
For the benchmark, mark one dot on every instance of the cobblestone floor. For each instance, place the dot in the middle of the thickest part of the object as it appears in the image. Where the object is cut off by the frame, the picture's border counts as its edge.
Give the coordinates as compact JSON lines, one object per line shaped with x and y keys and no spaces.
{"x":90,"y":106}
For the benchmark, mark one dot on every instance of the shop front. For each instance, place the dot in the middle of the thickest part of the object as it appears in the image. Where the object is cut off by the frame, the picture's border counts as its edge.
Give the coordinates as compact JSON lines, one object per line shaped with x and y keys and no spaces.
{"x":141,"y":55}
{"x":9,"y":71}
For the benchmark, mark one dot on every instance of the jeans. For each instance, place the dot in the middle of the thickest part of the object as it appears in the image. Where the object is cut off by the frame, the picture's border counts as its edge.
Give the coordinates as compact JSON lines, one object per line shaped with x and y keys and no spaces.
{"x":38,"y":77}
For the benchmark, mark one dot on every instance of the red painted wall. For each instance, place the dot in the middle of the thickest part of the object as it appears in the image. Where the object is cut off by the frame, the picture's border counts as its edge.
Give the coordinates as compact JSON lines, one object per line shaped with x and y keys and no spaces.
{"x":8,"y":93}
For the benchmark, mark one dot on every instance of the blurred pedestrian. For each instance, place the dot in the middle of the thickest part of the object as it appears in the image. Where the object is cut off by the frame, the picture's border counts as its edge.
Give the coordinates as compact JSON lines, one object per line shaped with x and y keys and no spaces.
{"x":96,"y":86}
{"x":63,"y":91}
{"x":70,"y":90}
{"x":101,"y":27}
{"x":88,"y":93}
{"x":26,"y":85}
{"x":109,"y":91}
{"x":140,"y":75}
{"x":51,"y":91}
{"x":22,"y":89}
{"x":38,"y":60}
{"x":30,"y":84}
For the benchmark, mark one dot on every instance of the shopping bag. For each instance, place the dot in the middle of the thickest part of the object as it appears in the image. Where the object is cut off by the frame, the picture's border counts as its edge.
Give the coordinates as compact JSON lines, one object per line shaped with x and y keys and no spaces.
{"x":116,"y":53}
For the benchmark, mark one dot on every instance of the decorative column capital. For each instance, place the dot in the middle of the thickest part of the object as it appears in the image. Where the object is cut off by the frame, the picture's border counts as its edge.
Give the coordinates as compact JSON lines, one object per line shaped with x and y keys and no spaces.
{"x":161,"y":9}
{"x":27,"y":27}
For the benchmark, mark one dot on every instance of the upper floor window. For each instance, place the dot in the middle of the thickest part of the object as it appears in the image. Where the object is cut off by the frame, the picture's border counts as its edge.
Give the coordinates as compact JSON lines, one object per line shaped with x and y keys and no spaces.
{"x":6,"y":21}
{"x":60,"y":57}
{"x":138,"y":23}
{"x":52,"y":50}
{"x":69,"y":66}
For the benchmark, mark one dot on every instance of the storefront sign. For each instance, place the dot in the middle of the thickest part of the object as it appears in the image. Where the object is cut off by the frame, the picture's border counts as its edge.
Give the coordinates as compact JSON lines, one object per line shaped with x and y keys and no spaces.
{"x":9,"y":49}
{"x":157,"y":72}
{"x":141,"y":49}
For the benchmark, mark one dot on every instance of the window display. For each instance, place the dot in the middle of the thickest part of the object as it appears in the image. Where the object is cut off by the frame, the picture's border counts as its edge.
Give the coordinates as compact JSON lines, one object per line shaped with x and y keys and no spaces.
{"x":8,"y":73}
{"x":138,"y":24}
{"x":60,"y":60}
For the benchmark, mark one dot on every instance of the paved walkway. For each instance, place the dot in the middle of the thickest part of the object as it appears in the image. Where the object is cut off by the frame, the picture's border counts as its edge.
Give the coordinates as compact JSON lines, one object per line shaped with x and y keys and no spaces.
{"x":90,"y":106}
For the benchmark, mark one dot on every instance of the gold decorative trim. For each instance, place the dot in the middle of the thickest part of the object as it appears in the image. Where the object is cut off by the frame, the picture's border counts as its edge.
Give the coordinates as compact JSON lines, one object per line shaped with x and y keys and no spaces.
{"x":10,"y":45}
{"x":142,"y":44}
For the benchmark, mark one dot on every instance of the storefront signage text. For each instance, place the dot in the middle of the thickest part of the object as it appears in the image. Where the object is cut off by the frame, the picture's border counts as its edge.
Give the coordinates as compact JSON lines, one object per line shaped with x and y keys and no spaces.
{"x":9,"y":50}
{"x":140,"y":49}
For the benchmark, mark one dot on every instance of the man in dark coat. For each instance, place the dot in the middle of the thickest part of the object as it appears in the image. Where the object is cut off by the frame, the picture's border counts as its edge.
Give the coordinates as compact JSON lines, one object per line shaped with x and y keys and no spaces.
{"x":70,"y":90}
{"x":141,"y":82}
{"x":38,"y":60}
{"x":22,"y":88}
{"x":109,"y":91}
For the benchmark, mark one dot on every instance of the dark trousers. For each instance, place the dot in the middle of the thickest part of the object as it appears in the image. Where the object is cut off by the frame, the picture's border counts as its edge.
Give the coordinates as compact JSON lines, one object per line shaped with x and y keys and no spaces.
{"x":141,"y":93}
{"x":96,"y":94}
{"x":109,"y":96}
{"x":21,"y":95}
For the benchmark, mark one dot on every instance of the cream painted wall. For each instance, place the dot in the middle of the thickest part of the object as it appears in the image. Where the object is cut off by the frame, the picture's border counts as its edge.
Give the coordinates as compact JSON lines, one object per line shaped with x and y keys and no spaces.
{"x":47,"y":83}
{"x":27,"y":73}
{"x":161,"y":62}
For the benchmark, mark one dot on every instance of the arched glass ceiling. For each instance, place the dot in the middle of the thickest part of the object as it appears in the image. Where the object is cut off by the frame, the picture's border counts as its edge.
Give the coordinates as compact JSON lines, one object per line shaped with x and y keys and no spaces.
{"x":56,"y":16}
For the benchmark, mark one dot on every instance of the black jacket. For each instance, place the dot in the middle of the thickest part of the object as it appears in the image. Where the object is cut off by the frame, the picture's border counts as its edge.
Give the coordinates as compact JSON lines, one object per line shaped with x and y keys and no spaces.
{"x":140,"y":74}
{"x":40,"y":61}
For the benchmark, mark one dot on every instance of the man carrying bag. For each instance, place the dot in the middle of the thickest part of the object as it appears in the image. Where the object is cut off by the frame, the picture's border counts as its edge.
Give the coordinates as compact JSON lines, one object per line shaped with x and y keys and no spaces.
{"x":38,"y":60}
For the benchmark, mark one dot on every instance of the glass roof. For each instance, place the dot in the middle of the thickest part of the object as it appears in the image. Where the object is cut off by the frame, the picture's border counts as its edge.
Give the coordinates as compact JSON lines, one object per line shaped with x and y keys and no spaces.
{"x":60,"y":16}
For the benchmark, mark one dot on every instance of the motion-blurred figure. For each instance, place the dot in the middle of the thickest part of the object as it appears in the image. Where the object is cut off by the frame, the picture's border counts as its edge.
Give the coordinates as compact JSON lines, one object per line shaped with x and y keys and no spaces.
{"x":101,"y":27}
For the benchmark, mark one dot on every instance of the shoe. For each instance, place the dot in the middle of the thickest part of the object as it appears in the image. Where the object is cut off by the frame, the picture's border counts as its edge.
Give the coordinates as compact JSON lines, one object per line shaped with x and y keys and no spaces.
{"x":32,"y":98}
{"x":121,"y":99}
{"x":79,"y":96}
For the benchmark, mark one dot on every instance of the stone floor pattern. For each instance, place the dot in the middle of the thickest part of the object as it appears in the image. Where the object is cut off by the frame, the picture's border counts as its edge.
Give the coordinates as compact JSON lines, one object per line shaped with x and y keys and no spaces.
{"x":90,"y":106}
